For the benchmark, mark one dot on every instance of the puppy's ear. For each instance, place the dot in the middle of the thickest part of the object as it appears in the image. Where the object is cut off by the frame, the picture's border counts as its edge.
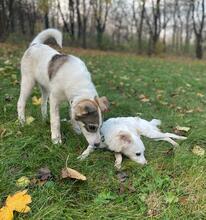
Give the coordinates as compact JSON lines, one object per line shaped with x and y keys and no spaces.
{"x":103,"y":103}
{"x":125,"y":137}
{"x":84,"y":108}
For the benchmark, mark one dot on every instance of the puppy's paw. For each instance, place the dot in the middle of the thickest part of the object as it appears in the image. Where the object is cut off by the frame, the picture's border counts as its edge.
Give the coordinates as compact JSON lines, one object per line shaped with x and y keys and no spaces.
{"x":117,"y":166}
{"x":56,"y":140}
{"x":82,"y":156}
{"x":22,"y":121}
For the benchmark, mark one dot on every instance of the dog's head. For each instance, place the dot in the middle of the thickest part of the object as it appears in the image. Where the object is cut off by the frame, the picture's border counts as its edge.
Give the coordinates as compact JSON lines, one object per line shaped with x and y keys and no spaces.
{"x":88,"y":114}
{"x":130,"y":145}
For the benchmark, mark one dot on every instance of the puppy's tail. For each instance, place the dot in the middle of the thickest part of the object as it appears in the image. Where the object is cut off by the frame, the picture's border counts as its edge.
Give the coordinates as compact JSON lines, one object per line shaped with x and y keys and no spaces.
{"x":155,"y":122}
{"x":46,"y":34}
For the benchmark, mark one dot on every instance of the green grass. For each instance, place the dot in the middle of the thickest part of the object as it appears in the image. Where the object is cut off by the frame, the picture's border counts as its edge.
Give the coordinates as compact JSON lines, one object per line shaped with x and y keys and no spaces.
{"x":171,"y":186}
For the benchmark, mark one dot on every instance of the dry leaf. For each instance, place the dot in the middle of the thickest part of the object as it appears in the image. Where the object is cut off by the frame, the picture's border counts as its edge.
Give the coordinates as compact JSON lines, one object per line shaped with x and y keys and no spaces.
{"x":19,"y":201}
{"x":36,"y":101}
{"x":186,"y":129}
{"x":71,"y":173}
{"x":197,"y":150}
{"x":29,"y":120}
{"x":6,"y":213}
{"x":2,"y":132}
{"x":144,"y":98}
{"x":122,"y":176}
{"x":44,"y":174}
{"x":200,"y":94}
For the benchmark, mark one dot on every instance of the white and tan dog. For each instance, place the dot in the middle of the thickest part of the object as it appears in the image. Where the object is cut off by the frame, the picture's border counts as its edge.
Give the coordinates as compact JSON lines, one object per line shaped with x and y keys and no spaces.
{"x":61,"y":77}
{"x":122,"y":136}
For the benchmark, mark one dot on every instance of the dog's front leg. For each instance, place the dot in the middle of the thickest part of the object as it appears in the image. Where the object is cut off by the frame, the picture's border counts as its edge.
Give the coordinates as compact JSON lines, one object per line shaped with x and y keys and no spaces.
{"x":86,"y":153}
{"x":118,"y":160}
{"x":55,"y":120}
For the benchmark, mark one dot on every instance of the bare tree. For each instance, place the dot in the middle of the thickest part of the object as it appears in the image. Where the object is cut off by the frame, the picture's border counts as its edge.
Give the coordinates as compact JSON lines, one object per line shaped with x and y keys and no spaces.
{"x":72,"y":18}
{"x":198,"y":17}
{"x":100,"y":10}
{"x":138,"y":9}
{"x":154,"y":24}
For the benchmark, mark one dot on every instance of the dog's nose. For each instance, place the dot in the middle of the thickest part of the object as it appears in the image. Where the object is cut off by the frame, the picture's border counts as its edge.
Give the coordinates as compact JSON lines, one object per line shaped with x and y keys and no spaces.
{"x":96,"y":144}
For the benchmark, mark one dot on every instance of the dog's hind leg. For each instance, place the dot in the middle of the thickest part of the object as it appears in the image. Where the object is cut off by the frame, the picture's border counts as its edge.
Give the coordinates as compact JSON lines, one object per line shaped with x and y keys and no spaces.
{"x":158,"y":135}
{"x":168,"y":140}
{"x":27,"y":83}
{"x":44,"y":100}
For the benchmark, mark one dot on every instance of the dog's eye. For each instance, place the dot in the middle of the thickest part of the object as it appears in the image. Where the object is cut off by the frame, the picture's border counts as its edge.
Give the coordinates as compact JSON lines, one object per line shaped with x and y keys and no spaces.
{"x":138,"y":154}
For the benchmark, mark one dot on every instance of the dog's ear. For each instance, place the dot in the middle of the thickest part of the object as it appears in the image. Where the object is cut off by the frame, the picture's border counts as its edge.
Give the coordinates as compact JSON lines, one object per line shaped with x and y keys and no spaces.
{"x":103,"y":103}
{"x":84,"y":108}
{"x":125,"y":137}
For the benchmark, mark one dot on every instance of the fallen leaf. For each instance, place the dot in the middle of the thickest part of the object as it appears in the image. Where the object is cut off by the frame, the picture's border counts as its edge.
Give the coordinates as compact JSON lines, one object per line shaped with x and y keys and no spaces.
{"x":144,"y":98}
{"x":29,"y":120}
{"x":197,"y":150}
{"x":6,"y":213}
{"x":8,"y":98}
{"x":19,"y":201}
{"x":2,"y":132}
{"x":23,"y":181}
{"x":44,"y":174}
{"x":200,"y":94}
{"x":186,"y":129}
{"x":71,"y":173}
{"x":122,"y":176}
{"x":36,"y":101}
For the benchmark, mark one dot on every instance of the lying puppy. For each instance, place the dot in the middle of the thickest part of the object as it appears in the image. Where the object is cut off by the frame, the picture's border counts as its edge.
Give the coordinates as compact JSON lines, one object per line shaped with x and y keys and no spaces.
{"x":122,"y":135}
{"x":61,"y":77}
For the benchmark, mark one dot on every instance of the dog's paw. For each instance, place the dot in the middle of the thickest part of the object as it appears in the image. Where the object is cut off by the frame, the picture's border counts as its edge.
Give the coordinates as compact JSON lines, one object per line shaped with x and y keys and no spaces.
{"x":56,"y":141}
{"x":117,"y":166}
{"x":22,"y":121}
{"x":82,"y":156}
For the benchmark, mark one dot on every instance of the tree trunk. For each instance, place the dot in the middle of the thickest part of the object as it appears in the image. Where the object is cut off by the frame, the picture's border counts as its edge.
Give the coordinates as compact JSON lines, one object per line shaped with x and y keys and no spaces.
{"x":71,"y":16}
{"x":46,"y":20}
{"x":141,"y":27}
{"x":79,"y":21}
{"x":199,"y":50}
{"x":99,"y":37}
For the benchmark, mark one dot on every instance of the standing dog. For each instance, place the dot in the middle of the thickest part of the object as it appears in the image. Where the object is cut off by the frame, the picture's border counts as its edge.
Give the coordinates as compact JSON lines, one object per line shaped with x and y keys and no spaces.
{"x":122,"y":135}
{"x":61,"y":77}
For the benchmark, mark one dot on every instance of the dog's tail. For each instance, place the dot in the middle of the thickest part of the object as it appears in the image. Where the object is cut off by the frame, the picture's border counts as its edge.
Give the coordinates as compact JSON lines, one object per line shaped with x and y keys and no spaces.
{"x":155,"y":122}
{"x":46,"y":34}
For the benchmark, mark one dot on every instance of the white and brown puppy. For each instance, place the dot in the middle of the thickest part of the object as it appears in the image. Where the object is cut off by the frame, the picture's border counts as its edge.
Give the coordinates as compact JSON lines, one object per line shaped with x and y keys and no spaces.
{"x":61,"y":77}
{"x":122,"y":136}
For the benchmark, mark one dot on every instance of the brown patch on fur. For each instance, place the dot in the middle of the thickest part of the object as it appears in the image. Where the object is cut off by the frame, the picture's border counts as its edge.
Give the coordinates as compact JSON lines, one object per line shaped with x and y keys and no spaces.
{"x":55,"y":63}
{"x":86,"y":111}
{"x":125,"y":137}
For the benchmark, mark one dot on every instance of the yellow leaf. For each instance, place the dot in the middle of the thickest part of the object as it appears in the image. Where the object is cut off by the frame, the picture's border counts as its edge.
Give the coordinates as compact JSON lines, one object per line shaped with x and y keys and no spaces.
{"x":19,"y":201}
{"x":71,"y":173}
{"x":29,"y":120}
{"x":199,"y":151}
{"x":23,"y":181}
{"x":186,"y":129}
{"x":36,"y":101}
{"x":6,"y":213}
